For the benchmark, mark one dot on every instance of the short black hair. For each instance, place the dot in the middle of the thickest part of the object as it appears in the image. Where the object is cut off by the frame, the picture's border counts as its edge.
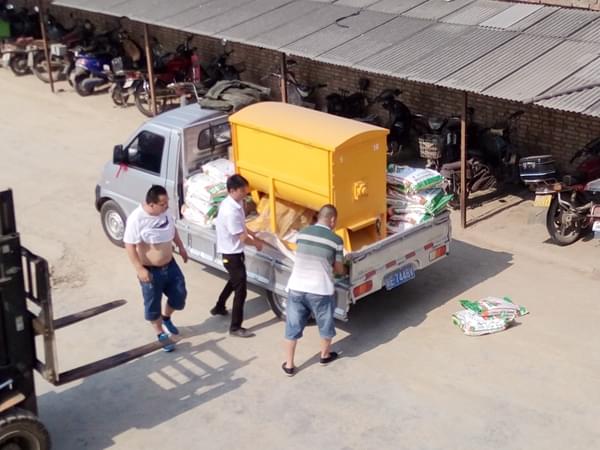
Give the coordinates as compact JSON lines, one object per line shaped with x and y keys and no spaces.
{"x":235,"y":182}
{"x":327,"y":212}
{"x":154,"y":193}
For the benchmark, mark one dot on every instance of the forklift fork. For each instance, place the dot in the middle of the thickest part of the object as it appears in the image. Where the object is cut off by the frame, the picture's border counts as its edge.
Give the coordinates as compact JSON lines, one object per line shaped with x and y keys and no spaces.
{"x":37,"y":290}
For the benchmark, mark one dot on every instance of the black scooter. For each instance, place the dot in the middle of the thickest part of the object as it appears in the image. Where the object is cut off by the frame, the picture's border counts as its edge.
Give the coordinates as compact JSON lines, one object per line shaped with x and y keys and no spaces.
{"x":353,"y":106}
{"x":399,"y":122}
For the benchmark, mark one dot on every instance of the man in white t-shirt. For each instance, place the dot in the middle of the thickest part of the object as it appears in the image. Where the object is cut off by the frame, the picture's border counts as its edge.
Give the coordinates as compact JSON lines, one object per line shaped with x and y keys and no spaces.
{"x":149,"y":236}
{"x":232,"y":235}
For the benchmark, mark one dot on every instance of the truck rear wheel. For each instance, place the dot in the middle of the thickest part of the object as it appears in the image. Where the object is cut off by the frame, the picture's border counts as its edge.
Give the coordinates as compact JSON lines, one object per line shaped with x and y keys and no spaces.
{"x":22,"y":430}
{"x":113,"y":223}
{"x":277,"y":303}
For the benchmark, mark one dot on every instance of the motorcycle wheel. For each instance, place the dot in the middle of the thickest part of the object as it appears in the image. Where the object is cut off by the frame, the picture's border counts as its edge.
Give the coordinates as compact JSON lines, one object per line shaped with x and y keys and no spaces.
{"x":18,"y":65}
{"x":119,"y":96}
{"x":141,"y":97}
{"x":77,"y":84}
{"x":559,"y":233}
{"x":40,"y":68}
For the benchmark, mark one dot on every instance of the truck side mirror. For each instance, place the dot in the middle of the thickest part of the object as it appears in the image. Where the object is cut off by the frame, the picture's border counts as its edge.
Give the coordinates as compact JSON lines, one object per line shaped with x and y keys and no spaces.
{"x":120,"y":155}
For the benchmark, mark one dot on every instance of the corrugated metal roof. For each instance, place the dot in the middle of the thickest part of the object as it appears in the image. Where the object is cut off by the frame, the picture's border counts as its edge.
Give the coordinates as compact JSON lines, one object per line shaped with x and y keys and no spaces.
{"x":157,"y":15}
{"x":546,"y":71}
{"x":511,"y":16}
{"x":580,"y":102}
{"x":476,"y":12}
{"x":468,"y":48}
{"x":533,"y":18}
{"x":590,"y":33}
{"x":241,"y":14}
{"x":562,"y":23}
{"x":593,"y":110}
{"x":376,"y":40}
{"x":585,"y":76}
{"x":392,"y":60}
{"x":338,"y":33}
{"x":511,"y":51}
{"x":202,"y":11}
{"x":500,"y":63}
{"x":271,"y":20}
{"x":395,"y":6}
{"x":436,"y":9}
{"x":90,"y":5}
{"x":302,"y":26}
{"x":355,"y":3}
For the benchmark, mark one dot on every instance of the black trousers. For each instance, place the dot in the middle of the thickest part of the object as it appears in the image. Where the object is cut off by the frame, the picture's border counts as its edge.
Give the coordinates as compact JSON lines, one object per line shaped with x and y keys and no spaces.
{"x":236,"y":267}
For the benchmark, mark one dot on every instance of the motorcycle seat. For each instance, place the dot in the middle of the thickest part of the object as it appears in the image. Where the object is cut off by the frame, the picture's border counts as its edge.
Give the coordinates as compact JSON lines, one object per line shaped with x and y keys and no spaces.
{"x":475,"y":153}
{"x":451,"y":166}
{"x":25,"y":40}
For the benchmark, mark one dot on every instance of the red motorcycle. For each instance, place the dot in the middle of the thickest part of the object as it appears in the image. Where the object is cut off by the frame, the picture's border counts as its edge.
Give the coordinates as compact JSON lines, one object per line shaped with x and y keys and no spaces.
{"x":169,"y":68}
{"x":574,"y":203}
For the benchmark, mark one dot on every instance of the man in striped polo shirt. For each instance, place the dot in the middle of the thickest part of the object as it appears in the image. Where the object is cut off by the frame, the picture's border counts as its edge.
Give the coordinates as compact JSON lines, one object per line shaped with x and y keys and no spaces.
{"x":311,"y":288}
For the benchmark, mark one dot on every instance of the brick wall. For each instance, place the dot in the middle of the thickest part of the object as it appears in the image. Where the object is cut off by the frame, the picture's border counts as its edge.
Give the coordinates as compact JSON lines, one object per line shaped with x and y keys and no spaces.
{"x":540,"y":130}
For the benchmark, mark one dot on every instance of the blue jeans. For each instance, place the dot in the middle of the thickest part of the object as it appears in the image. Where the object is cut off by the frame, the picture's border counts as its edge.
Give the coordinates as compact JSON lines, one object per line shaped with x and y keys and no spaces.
{"x":166,"y":280}
{"x":299,"y":307}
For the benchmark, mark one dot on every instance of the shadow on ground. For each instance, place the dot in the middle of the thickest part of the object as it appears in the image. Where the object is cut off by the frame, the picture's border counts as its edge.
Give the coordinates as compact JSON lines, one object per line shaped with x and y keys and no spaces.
{"x":173,"y":384}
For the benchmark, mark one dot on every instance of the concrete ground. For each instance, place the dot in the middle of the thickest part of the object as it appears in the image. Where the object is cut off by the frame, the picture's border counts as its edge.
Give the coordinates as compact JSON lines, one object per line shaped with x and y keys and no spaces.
{"x":408,"y":378}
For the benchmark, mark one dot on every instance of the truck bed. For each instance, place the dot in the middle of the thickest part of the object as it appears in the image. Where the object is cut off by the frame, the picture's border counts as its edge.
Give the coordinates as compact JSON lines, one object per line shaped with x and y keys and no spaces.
{"x":370,"y":267}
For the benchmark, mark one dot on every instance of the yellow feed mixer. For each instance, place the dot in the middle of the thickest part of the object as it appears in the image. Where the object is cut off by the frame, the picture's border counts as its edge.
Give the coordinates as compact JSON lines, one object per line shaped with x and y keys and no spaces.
{"x":311,"y":158}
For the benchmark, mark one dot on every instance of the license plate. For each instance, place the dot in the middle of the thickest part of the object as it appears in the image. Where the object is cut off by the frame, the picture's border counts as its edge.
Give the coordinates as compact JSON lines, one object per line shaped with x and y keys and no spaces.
{"x":5,"y":59}
{"x":128,"y":84}
{"x":542,"y":201}
{"x":596,"y":226}
{"x":400,"y":276}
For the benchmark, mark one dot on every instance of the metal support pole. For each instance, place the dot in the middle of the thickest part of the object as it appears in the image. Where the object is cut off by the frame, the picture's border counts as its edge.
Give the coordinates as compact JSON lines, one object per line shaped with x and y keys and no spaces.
{"x":283,"y":80}
{"x":463,"y":163}
{"x":150,"y":66}
{"x":45,"y":39}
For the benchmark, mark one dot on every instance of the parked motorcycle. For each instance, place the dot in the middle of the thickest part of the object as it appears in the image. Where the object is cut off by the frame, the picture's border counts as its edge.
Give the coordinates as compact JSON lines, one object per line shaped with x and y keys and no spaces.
{"x":94,"y":70}
{"x":573,"y":210}
{"x":297,"y":93}
{"x":353,"y":106}
{"x":219,"y":69}
{"x":15,"y":54}
{"x":399,"y":122}
{"x":183,"y":66}
{"x":572,"y":203}
{"x":62,"y":53}
{"x":439,"y":140}
{"x":492,"y":164}
{"x":25,"y":35}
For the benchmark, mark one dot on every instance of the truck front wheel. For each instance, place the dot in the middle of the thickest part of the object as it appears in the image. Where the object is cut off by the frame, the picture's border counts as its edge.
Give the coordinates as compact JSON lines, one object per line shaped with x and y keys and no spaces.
{"x":22,"y":430}
{"x":277,"y":303}
{"x":113,"y":222}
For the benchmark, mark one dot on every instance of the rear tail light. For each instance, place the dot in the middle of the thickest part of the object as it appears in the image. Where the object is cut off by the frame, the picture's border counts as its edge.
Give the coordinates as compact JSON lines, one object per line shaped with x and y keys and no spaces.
{"x":437,"y":253}
{"x":363,"y":288}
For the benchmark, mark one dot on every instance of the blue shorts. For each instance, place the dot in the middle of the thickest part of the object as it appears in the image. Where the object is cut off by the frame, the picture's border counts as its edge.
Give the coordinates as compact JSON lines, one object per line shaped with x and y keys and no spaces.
{"x":299,"y":307}
{"x":166,"y":280}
